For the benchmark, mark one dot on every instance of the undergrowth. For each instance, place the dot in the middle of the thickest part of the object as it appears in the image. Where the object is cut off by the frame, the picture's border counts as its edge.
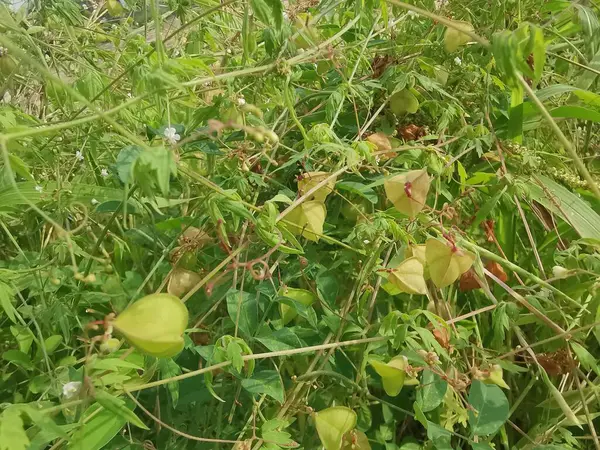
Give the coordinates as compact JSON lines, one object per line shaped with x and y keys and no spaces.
{"x":262,"y":224}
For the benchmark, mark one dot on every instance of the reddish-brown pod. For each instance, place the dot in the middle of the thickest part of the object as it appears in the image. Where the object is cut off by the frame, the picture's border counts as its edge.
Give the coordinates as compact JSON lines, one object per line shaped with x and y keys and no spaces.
{"x":497,"y":270}
{"x":468,"y":281}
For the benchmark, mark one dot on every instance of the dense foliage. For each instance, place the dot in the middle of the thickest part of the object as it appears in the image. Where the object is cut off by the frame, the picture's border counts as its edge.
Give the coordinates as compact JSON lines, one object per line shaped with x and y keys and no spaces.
{"x":270,"y":224}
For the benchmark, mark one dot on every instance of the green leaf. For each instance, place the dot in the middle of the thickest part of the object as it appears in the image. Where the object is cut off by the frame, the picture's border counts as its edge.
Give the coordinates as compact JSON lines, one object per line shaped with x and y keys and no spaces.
{"x":487,"y":208}
{"x":243,"y":310}
{"x":284,"y":339}
{"x":586,"y":359}
{"x":51,"y":344}
{"x":265,"y":382}
{"x":24,"y":337}
{"x":276,"y":12}
{"x":491,"y":408}
{"x":431,"y":392}
{"x":169,"y":368}
{"x":12,"y":434}
{"x":539,"y":52}
{"x":153,"y":169}
{"x":301,"y":298}
{"x":20,"y":167}
{"x":549,"y":447}
{"x":571,"y":208}
{"x":575,"y":112}
{"x":114,"y":364}
{"x":439,"y":436}
{"x":125,"y":162}
{"x":119,"y":408}
{"x":18,"y":358}
{"x":6,"y":295}
{"x":99,"y":430}
{"x":480,"y":446}
{"x":332,"y":424}
{"x":262,"y":11}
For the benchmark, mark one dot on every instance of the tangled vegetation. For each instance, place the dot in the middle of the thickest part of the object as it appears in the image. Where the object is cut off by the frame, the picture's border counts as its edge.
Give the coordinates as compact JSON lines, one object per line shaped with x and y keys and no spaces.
{"x":279,"y":224}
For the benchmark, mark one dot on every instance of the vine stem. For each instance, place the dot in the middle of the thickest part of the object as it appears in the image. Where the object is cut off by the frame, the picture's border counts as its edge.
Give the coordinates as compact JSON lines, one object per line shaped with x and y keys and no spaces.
{"x":294,"y":351}
{"x":175,"y":430}
{"x":212,"y":273}
{"x":441,"y":19}
{"x":517,"y":269}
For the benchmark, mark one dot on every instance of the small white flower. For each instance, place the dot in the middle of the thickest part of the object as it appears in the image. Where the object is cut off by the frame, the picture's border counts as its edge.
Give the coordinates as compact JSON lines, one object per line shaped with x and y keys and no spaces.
{"x":129,"y":94}
{"x":7,"y":97}
{"x":241,"y":101}
{"x":439,"y":4}
{"x":104,"y":173}
{"x":79,"y":155}
{"x":412,"y":14}
{"x":458,"y":61}
{"x":39,"y":188}
{"x":71,"y":389}
{"x":366,"y":241}
{"x":171,"y":135}
{"x":94,"y":201}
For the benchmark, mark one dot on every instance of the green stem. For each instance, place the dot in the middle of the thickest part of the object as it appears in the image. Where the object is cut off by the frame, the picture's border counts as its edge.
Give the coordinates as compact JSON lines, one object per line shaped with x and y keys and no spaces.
{"x":329,"y":373}
{"x":295,"y":351}
{"x":561,"y":137}
{"x":519,"y":270}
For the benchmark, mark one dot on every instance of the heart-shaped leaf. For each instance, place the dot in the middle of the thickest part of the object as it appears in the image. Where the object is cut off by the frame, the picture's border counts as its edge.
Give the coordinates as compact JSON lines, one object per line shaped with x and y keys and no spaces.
{"x":154,"y":324}
{"x":310,"y":179}
{"x":404,"y":102}
{"x":288,"y":312}
{"x":307,"y":220}
{"x":182,"y":281}
{"x":332,"y":424}
{"x":454,"y":38}
{"x":446,"y":263}
{"x":392,"y":374}
{"x":408,"y":277}
{"x":408,"y":191}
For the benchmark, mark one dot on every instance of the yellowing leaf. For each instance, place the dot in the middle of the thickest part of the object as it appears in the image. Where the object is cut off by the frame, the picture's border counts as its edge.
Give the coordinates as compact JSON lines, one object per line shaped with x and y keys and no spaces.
{"x":114,"y":7}
{"x":445,"y":263}
{"x":182,"y":281}
{"x":356,"y":440}
{"x":454,"y":38}
{"x":310,"y":179}
{"x":288,"y":313}
{"x":404,"y":102}
{"x":408,"y":191}
{"x":154,"y":324}
{"x":392,"y":374}
{"x":382,"y":142}
{"x":408,"y":277}
{"x":332,"y":424}
{"x":418,"y":251}
{"x":307,"y":220}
